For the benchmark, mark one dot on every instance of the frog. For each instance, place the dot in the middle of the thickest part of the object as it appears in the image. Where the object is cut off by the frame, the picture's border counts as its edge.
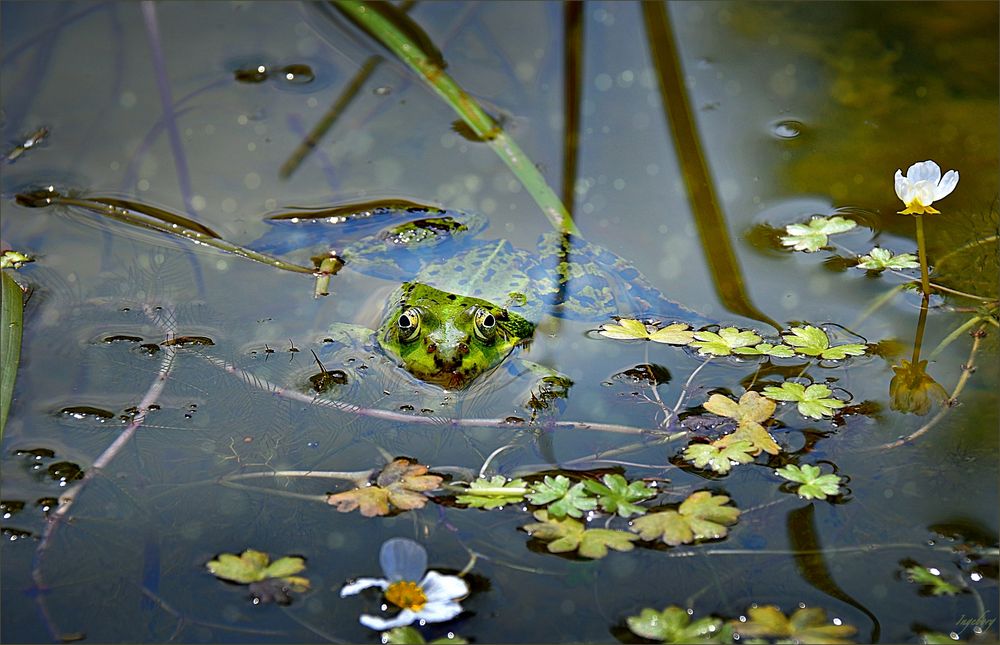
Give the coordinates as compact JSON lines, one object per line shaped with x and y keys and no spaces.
{"x":465,"y":304}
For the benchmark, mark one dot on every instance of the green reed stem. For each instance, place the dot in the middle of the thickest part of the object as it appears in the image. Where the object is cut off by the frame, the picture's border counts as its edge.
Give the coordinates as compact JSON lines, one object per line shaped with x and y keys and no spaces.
{"x":481,"y":123}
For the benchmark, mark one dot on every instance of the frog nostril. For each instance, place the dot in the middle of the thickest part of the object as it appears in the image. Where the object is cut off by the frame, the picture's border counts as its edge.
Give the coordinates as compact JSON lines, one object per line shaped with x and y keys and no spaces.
{"x":463,"y":349}
{"x":432,"y":347}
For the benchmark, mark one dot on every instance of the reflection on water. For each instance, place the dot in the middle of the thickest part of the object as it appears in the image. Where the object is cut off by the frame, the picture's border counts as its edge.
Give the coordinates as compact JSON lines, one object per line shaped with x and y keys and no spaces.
{"x":210,"y":404}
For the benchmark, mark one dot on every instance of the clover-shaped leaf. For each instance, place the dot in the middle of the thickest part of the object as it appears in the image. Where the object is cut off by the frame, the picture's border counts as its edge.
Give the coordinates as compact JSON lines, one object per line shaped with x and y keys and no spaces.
{"x":814,"y":485}
{"x":931,"y":580}
{"x":562,"y":498}
{"x":879,"y":259}
{"x":702,"y":516}
{"x":766,"y":349}
{"x":814,"y":235}
{"x":627,"y":329}
{"x":617,"y":495}
{"x":751,"y":407}
{"x":813,"y":341}
{"x":14,"y":259}
{"x":719,"y":457}
{"x":806,"y":625}
{"x":724,"y":342}
{"x":493,"y":493}
{"x":401,"y":484}
{"x":674,"y":625}
{"x":565,"y":535}
{"x":269,"y":581}
{"x":758,"y":436}
{"x":813,"y":401}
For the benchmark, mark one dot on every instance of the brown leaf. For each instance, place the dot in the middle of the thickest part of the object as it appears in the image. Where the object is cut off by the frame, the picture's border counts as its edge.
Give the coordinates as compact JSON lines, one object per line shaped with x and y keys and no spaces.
{"x":372,"y":501}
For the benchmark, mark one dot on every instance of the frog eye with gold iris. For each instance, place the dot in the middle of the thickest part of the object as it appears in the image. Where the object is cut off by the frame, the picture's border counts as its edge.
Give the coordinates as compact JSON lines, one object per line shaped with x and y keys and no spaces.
{"x":485,"y":325}
{"x":408,"y":324}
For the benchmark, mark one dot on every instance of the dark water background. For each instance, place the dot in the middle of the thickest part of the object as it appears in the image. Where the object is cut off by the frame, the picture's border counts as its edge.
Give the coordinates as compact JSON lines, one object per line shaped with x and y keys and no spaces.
{"x":800,"y":110}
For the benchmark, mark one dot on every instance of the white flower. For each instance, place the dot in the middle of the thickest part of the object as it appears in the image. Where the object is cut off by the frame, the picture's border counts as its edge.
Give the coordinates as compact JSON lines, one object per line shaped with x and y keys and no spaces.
{"x":922,"y":186}
{"x":434,"y":599}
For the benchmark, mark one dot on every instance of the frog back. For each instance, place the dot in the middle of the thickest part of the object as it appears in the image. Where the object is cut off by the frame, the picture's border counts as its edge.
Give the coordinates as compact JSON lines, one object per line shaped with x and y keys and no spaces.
{"x":583,"y":281}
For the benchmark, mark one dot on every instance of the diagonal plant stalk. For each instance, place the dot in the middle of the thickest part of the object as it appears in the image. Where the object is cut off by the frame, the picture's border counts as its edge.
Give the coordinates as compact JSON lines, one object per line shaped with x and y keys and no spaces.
{"x":727,"y":276}
{"x":374,"y":19}
{"x":66,"y":501}
{"x":390,"y":415}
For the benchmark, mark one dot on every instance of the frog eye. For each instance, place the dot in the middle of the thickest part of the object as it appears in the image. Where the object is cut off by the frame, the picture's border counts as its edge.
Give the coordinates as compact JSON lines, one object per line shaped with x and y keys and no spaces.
{"x":408,"y":324}
{"x":486,"y":325}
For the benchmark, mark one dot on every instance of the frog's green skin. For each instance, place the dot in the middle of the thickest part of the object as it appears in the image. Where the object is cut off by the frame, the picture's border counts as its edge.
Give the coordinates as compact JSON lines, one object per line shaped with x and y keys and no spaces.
{"x":466,"y":304}
{"x":448,"y":339}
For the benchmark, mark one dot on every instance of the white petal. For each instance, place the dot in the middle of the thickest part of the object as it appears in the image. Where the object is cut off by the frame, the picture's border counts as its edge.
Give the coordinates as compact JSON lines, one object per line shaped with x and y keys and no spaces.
{"x":404,"y":617}
{"x":901,"y":184}
{"x":402,"y":559}
{"x":363,"y":583}
{"x":438,"y":612}
{"x":438,"y":587}
{"x":924,"y":171}
{"x":948,"y":183}
{"x":923,"y":193}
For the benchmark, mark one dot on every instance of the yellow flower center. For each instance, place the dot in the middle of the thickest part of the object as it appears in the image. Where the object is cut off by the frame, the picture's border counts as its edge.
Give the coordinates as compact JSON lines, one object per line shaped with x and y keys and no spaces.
{"x":406,"y":595}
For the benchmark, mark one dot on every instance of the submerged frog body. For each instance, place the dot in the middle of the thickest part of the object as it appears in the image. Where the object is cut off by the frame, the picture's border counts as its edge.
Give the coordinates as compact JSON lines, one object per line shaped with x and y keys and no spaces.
{"x":465,"y":303}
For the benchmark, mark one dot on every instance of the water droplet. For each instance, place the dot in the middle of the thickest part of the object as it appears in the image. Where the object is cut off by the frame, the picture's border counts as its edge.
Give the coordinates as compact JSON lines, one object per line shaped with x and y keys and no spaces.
{"x":787,"y":129}
{"x":383,"y":90}
{"x":86,"y":412}
{"x":65,"y":471}
{"x":298,"y":74}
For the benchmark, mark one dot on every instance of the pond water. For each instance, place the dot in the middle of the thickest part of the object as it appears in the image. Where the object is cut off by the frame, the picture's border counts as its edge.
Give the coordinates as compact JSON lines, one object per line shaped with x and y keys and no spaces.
{"x":780,"y":113}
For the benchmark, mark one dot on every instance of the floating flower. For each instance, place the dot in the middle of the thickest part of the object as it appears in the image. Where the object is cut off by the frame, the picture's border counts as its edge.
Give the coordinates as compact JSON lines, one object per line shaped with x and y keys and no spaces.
{"x":434,"y":599}
{"x":922,"y":186}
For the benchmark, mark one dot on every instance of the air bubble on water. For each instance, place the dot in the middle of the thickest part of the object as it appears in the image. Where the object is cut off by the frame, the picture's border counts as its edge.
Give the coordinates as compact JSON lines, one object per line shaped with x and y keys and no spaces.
{"x":787,"y":129}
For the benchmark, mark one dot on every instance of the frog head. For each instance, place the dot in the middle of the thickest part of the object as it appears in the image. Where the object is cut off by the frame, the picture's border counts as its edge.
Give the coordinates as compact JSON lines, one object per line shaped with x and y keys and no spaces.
{"x":448,"y":339}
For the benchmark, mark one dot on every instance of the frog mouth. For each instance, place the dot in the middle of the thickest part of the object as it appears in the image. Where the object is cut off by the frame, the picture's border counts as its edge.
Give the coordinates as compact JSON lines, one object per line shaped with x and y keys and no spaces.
{"x":456,"y":379}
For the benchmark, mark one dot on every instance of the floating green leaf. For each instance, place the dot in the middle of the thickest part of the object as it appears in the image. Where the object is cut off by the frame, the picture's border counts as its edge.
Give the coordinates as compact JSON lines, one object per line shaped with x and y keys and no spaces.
{"x":493,"y":493}
{"x":674,"y":625}
{"x":11,"y":319}
{"x":814,"y":235}
{"x":724,"y":342}
{"x":565,"y":535}
{"x":562,"y":498}
{"x":813,"y":401}
{"x":766,"y":349}
{"x":617,"y":495}
{"x":813,"y":341}
{"x":255,"y":566}
{"x":752,"y":407}
{"x":719,"y":458}
{"x":410,"y":636}
{"x":758,"y":436}
{"x":401,"y":484}
{"x":814,"y":485}
{"x":931,"y":580}
{"x":806,"y":625}
{"x":14,"y":259}
{"x":702,"y":516}
{"x":879,"y":259}
{"x":627,"y":329}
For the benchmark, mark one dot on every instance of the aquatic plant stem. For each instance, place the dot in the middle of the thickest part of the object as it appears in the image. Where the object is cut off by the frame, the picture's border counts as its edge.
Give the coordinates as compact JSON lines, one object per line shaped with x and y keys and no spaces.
{"x":56,"y":517}
{"x":482,"y":124}
{"x":967,"y":369}
{"x":400,"y":417}
{"x":167,"y":103}
{"x":922,"y":253}
{"x":918,"y":338}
